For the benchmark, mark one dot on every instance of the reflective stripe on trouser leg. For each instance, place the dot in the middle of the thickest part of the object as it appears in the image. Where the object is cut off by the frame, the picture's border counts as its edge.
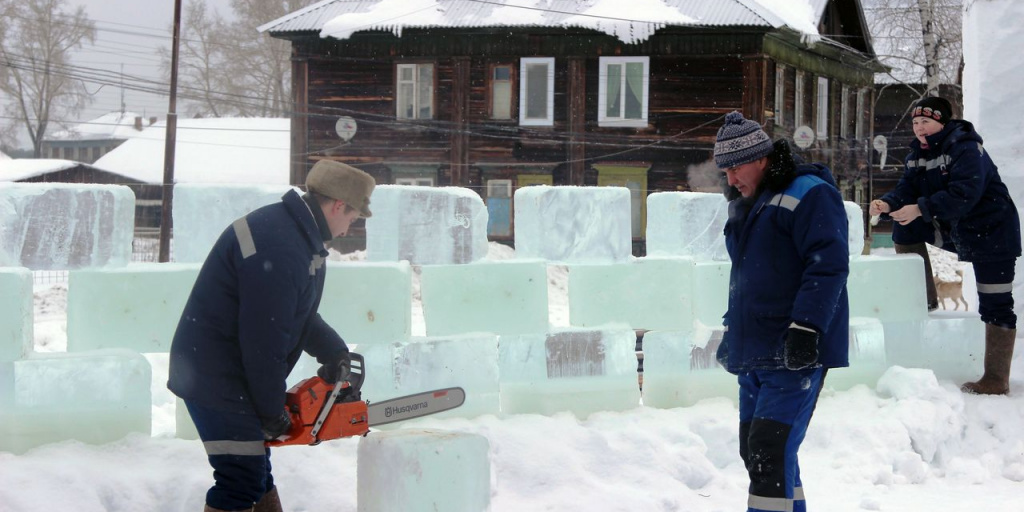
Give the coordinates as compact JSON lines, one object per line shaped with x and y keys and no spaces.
{"x":234,"y":448}
{"x":778,"y":405}
{"x":995,"y":292}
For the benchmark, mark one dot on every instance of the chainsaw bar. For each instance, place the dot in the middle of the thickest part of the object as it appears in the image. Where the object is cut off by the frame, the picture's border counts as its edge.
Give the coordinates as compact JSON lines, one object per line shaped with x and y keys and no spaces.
{"x":413,"y":406}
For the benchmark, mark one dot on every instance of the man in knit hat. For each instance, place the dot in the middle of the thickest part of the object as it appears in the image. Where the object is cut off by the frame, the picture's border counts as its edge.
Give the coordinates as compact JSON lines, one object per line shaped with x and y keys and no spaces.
{"x":951,"y":195}
{"x":788,"y":317}
{"x":251,"y":314}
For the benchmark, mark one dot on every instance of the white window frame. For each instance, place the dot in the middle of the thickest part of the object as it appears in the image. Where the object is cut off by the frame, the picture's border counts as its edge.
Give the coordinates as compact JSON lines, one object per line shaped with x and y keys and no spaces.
{"x":524,"y":65}
{"x":821,"y":114}
{"x":858,"y":131}
{"x":415,"y":182}
{"x":603,"y":119}
{"x":415,"y":67}
{"x":798,"y":105}
{"x":780,"y":94}
{"x":844,"y":113}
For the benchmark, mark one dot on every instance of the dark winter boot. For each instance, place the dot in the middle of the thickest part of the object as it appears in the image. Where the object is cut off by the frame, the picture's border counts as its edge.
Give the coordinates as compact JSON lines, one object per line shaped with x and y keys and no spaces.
{"x":208,"y":508}
{"x":998,"y":353}
{"x":929,"y":280}
{"x":270,"y":502}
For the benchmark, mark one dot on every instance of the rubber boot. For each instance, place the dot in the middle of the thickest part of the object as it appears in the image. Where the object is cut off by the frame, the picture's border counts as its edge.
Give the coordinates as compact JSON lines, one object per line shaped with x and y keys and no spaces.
{"x":998,"y":354}
{"x":929,"y":280}
{"x":270,"y":502}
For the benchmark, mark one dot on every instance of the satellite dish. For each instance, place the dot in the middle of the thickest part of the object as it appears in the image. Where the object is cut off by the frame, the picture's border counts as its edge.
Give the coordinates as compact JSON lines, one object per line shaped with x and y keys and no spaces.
{"x":346,"y":128}
{"x":803,"y":137}
{"x":880,"y":144}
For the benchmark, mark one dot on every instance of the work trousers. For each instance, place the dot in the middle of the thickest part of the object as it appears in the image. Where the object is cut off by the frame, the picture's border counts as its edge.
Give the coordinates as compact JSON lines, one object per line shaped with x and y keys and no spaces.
{"x":775,"y":409}
{"x":234,"y":447}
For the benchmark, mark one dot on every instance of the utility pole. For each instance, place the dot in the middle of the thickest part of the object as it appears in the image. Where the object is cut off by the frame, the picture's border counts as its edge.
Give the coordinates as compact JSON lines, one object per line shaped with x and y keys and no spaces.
{"x":172,"y":128}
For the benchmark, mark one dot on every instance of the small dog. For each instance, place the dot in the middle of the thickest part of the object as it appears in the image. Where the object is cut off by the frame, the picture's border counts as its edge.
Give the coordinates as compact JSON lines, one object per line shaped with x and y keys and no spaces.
{"x":953,"y":290}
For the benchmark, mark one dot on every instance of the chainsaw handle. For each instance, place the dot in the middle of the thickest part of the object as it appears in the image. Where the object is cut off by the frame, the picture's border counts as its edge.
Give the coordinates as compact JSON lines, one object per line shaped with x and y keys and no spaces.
{"x":355,"y":375}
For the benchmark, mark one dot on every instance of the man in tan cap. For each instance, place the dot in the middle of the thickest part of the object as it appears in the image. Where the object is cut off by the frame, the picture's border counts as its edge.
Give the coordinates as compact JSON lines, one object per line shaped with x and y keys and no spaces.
{"x":251,"y":314}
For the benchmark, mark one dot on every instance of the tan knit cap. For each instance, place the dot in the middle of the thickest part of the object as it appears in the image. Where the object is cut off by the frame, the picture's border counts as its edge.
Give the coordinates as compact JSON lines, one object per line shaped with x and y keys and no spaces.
{"x":343,"y":183}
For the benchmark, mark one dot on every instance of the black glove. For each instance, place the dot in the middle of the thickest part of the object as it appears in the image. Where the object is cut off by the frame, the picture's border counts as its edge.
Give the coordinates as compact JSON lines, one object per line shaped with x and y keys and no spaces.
{"x":337,"y":370}
{"x":274,"y":428}
{"x":801,"y":349}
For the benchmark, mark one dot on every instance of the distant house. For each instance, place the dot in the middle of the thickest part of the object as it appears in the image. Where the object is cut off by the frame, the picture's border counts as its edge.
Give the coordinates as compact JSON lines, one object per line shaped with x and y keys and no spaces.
{"x":494,"y":96}
{"x":212,"y":150}
{"x":87,"y":142}
{"x":43,"y":170}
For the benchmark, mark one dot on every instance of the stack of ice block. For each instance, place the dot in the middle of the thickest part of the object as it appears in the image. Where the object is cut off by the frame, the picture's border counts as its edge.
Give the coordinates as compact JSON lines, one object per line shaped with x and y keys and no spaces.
{"x":426,"y":225}
{"x":423,"y":471}
{"x":577,"y":370}
{"x":687,"y":224}
{"x":647,"y":293}
{"x":855,"y":217}
{"x":58,"y":226}
{"x":680,"y":368}
{"x":502,"y":297}
{"x":573,"y":224}
{"x":203,"y":211}
{"x":135,"y":307}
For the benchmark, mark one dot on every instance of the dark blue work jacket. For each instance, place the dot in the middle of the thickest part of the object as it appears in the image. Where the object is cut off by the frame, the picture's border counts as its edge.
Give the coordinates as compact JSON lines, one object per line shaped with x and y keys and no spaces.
{"x":955,"y":183}
{"x":252,"y":312}
{"x":790,"y":260}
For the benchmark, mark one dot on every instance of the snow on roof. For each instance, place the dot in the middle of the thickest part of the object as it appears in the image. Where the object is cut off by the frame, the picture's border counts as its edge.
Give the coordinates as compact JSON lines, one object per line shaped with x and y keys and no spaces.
{"x":215,"y":150}
{"x":341,"y":18}
{"x":18,"y":169}
{"x":115,"y":125}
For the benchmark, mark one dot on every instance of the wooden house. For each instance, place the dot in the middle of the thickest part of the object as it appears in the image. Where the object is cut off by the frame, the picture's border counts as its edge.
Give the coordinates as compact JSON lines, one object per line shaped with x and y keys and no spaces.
{"x":493,"y":96}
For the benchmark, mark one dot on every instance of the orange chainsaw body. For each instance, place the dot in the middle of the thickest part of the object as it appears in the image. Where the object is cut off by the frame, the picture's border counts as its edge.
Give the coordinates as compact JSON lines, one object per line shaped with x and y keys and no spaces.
{"x":305,"y":400}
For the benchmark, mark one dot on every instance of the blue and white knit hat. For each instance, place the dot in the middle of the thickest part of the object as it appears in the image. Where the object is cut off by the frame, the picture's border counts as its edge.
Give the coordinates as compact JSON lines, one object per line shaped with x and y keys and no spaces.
{"x":740,"y":141}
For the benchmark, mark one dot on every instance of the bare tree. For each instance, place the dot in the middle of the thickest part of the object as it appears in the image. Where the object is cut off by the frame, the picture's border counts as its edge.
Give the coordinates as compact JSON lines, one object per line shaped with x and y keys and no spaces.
{"x":228,"y":67}
{"x":37,"y":78}
{"x":920,"y":39}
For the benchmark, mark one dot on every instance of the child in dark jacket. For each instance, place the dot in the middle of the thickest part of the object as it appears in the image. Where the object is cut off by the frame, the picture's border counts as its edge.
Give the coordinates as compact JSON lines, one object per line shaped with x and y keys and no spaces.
{"x":951,"y":196}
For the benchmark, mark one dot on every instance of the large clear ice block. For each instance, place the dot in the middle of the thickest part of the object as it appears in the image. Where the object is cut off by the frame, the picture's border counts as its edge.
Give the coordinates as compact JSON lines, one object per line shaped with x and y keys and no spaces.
{"x":711,"y":291}
{"x":502,"y":297}
{"x":680,"y":368}
{"x":426,"y":225}
{"x":16,"y":328}
{"x":889,"y":288}
{"x":59,"y":226}
{"x":577,"y":370}
{"x":368,"y":302}
{"x":135,"y":307}
{"x":855,"y":217}
{"x":413,"y":470}
{"x":646,"y":293}
{"x":203,"y":211}
{"x":97,"y":397}
{"x":687,"y":224}
{"x":868,"y":360}
{"x":573,"y":224}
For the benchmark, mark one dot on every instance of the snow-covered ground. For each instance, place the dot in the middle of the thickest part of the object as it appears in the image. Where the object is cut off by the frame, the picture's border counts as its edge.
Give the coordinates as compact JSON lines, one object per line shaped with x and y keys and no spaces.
{"x":908,"y":443}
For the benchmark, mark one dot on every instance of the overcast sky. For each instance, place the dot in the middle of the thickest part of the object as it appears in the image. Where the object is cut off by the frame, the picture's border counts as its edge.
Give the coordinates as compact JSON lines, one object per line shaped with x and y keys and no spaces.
{"x":129,"y":33}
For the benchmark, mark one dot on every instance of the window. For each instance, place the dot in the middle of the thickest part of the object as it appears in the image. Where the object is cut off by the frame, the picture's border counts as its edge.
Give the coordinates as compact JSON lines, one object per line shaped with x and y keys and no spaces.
{"x":858,"y":130}
{"x":415,"y":91}
{"x":822,"y":109}
{"x":622,"y":91}
{"x":844,"y":114}
{"x":798,"y":105}
{"x":537,"y":91}
{"x":416,"y":182}
{"x":501,"y":91}
{"x":499,"y":189}
{"x":780,"y":94}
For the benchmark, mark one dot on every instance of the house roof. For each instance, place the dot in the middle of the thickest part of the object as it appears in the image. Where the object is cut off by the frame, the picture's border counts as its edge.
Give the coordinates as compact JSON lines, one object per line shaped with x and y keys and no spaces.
{"x":214,"y":150}
{"x":341,"y":18}
{"x":18,"y":169}
{"x":112,"y":126}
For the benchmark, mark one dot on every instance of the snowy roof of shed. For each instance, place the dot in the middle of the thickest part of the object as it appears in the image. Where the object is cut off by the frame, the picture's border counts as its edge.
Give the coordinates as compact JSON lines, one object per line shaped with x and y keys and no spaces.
{"x":111,"y":126}
{"x":341,"y":18}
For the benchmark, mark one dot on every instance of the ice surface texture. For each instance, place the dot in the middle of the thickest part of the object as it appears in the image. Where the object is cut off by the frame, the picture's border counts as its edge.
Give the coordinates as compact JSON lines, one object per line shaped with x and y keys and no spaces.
{"x":16,"y":329}
{"x":59,"y":226}
{"x":573,"y":224}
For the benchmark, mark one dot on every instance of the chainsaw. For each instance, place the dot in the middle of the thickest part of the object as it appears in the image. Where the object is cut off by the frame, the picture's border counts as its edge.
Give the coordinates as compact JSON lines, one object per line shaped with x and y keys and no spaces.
{"x":321,"y":411}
